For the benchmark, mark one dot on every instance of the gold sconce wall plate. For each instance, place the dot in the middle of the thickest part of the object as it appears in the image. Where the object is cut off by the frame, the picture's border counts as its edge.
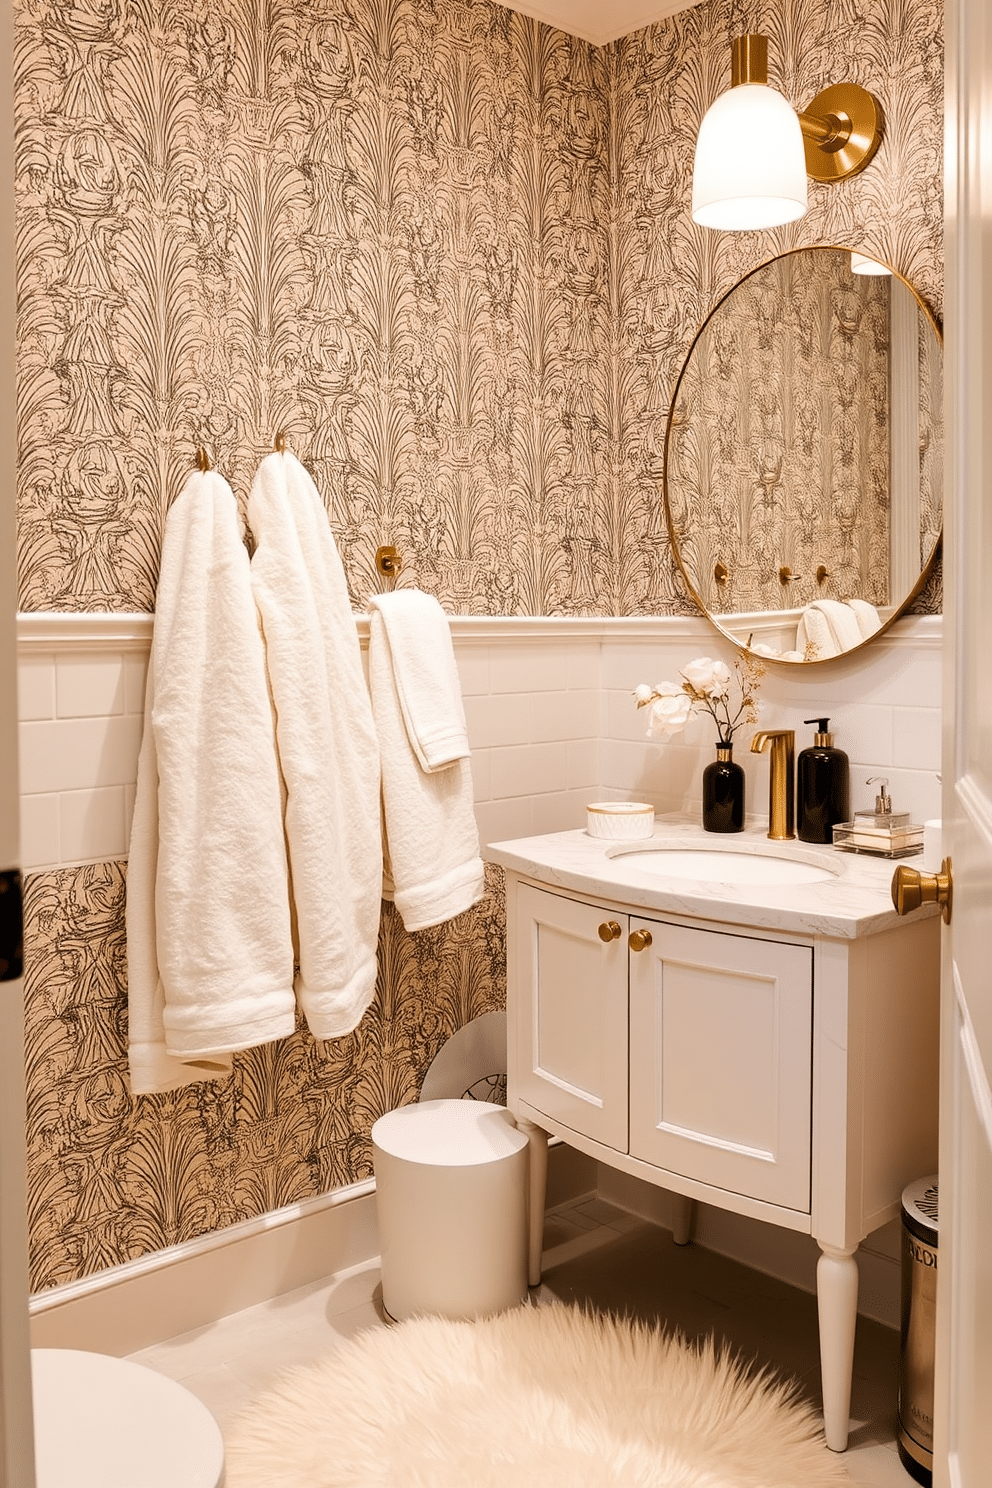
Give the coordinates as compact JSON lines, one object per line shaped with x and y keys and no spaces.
{"x":842,"y":129}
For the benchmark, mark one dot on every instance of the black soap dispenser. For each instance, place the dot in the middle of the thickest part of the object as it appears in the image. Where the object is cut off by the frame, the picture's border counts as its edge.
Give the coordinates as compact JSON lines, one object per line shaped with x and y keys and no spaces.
{"x":823,"y":795}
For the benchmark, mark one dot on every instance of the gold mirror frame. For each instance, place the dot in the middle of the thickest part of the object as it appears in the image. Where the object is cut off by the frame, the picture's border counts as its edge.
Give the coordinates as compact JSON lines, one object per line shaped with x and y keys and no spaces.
{"x":930,"y":564}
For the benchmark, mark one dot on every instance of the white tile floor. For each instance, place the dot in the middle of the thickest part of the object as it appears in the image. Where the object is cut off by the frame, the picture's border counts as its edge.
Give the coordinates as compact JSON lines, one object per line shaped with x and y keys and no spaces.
{"x":594,"y":1253}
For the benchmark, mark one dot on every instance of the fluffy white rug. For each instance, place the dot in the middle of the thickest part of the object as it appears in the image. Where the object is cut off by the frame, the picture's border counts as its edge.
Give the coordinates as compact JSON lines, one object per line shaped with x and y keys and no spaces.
{"x":547,"y":1397}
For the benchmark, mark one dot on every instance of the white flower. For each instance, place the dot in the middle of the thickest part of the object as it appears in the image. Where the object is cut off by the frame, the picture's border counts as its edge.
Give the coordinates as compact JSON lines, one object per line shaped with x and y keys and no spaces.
{"x":711,"y":678}
{"x":706,"y":688}
{"x":721,"y":680}
{"x":668,"y":714}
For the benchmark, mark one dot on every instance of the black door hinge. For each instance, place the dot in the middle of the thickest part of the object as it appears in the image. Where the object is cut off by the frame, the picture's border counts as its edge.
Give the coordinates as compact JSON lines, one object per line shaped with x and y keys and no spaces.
{"x":11,"y":926}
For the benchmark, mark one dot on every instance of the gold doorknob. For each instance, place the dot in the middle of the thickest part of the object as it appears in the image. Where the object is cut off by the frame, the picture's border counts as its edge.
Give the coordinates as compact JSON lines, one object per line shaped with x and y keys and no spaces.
{"x":910,"y":889}
{"x":639,"y":940}
{"x":610,"y":931}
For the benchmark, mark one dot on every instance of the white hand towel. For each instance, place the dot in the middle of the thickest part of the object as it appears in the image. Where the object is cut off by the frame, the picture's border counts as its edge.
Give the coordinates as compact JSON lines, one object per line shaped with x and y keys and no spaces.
{"x":866,"y":616}
{"x":426,"y":677}
{"x":431,"y":835}
{"x":813,"y":634}
{"x":842,"y":621}
{"x":210,"y":960}
{"x":327,"y":745}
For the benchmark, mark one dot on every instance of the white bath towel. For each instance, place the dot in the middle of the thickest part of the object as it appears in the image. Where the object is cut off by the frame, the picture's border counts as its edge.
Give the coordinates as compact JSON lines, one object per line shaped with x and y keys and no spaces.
{"x":210,"y":959}
{"x":432,"y":843}
{"x":866,"y":616}
{"x":842,"y":620}
{"x":814,"y":636}
{"x":327,"y":745}
{"x":426,"y":676}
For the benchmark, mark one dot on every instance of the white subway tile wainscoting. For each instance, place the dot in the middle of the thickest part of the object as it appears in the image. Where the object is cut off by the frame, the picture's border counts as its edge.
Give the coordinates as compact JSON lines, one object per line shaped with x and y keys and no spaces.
{"x":551,"y":717}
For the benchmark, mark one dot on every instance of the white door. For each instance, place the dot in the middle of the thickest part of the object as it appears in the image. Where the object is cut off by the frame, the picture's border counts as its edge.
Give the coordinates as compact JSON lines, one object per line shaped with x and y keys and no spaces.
{"x":567,"y":1013}
{"x":963,"y":1403}
{"x":16,"y":1429}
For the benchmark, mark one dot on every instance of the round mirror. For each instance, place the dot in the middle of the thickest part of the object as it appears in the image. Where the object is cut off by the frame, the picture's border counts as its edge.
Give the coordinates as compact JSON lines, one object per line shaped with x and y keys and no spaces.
{"x":803,"y":468}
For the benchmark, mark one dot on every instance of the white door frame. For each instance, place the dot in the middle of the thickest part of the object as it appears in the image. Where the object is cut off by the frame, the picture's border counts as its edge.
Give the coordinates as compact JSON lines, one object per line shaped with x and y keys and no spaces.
{"x":16,"y":1422}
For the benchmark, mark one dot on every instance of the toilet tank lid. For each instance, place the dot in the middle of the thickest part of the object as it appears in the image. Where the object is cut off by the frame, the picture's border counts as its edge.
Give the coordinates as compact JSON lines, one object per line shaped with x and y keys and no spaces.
{"x":448,"y":1133}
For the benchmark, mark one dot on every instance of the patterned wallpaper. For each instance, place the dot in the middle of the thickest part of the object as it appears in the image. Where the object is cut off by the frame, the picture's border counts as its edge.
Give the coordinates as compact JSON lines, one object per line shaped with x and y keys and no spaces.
{"x":447,"y":250}
{"x":379,"y":225}
{"x":112,"y":1178}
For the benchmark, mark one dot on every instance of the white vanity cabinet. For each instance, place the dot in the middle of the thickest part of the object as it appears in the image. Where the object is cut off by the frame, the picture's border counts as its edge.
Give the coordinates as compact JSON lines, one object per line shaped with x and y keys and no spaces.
{"x":687,"y":1048}
{"x":776,"y":1057}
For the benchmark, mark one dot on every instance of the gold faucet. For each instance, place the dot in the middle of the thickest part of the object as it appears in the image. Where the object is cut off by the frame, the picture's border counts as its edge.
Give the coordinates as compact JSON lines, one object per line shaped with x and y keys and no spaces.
{"x":781,"y":788}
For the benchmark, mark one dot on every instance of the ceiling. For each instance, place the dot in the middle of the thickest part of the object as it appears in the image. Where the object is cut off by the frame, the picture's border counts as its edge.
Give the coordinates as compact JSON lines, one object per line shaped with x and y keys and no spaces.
{"x":596,"y":20}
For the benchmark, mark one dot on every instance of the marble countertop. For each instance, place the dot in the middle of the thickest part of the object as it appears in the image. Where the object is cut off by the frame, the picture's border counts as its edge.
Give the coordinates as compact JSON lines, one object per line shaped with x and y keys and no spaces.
{"x":855,"y":901}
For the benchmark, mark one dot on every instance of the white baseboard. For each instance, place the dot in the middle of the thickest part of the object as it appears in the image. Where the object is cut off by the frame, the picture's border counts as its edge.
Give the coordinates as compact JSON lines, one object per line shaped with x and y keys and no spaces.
{"x":188,"y":1286}
{"x":142,"y":1302}
{"x":785,"y":1254}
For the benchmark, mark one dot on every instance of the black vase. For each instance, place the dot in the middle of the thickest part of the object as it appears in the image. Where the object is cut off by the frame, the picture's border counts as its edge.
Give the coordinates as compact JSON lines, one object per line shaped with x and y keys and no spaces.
{"x":723,"y":793}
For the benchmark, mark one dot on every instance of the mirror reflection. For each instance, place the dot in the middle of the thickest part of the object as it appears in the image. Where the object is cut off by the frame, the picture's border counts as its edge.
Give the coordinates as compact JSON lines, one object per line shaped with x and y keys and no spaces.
{"x":803,"y":455}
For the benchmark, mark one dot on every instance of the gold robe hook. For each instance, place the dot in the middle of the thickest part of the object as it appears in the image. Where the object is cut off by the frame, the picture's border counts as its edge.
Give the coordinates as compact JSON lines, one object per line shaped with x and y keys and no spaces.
{"x":202,"y":458}
{"x":388,"y":561}
{"x":279,"y":443}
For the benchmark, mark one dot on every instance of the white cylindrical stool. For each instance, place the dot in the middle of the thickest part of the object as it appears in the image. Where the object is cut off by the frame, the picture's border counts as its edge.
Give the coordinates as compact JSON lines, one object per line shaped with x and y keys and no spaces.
{"x":451,"y":1189}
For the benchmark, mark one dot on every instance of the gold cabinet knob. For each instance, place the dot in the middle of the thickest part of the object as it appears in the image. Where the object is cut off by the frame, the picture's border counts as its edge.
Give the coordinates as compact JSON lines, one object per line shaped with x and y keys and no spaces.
{"x":639,"y":940}
{"x":910,"y":889}
{"x":610,"y":930}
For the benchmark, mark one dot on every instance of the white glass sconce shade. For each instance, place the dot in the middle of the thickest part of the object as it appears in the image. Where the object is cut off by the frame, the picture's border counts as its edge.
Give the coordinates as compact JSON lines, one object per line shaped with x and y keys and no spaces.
{"x":750,"y":167}
{"x":862,"y":265}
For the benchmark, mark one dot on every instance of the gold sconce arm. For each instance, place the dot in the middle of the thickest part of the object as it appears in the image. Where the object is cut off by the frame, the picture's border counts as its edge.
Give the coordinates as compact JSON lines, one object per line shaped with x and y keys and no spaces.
{"x":842,"y":126}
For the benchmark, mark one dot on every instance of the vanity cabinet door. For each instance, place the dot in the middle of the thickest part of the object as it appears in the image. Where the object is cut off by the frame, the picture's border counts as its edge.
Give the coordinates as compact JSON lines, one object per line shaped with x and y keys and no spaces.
{"x":570,"y":1014}
{"x":721,"y":1060}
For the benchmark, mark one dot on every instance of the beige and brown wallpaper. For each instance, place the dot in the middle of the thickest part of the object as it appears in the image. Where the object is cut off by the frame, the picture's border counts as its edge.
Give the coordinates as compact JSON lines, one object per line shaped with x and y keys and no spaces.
{"x":448,"y":251}
{"x":112,"y":1178}
{"x":380,"y":226}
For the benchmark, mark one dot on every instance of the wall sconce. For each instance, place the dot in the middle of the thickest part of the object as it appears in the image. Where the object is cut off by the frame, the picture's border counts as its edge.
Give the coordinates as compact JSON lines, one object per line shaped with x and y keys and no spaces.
{"x":754,"y":151}
{"x":868,"y":267}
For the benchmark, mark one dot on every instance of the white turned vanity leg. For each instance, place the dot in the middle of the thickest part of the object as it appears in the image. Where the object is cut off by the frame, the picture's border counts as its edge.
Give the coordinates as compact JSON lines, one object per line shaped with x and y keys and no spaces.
{"x":682,"y":1212}
{"x":538,"y":1154}
{"x":837,"y":1303}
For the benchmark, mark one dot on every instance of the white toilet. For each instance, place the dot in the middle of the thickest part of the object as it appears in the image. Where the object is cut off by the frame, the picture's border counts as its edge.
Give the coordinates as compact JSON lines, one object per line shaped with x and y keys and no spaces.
{"x":101,"y":1422}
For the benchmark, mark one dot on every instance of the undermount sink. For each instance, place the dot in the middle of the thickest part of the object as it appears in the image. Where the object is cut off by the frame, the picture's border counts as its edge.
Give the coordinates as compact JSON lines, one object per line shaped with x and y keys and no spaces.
{"x":704,"y":865}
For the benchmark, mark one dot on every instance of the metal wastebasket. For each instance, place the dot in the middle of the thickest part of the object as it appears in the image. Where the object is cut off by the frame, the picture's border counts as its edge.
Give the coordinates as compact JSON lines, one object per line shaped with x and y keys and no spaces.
{"x":919,"y":1305}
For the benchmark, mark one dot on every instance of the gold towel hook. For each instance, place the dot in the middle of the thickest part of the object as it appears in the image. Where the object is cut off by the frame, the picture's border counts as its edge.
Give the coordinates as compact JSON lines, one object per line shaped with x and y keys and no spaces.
{"x":202,"y":458}
{"x":388,"y":561}
{"x":279,"y":443}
